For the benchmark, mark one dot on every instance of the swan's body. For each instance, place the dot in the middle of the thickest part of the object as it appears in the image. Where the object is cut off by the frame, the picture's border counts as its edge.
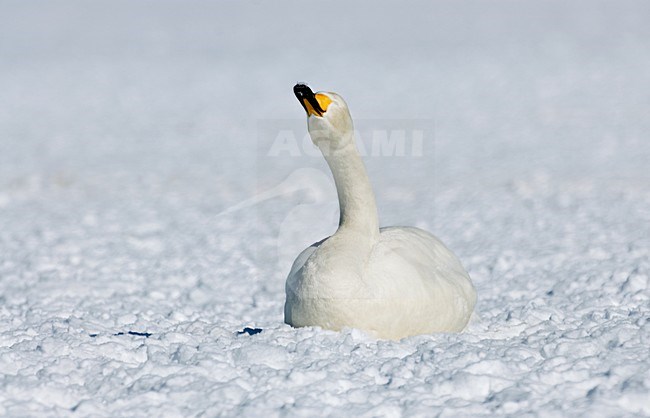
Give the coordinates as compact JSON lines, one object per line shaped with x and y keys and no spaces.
{"x":392,"y":282}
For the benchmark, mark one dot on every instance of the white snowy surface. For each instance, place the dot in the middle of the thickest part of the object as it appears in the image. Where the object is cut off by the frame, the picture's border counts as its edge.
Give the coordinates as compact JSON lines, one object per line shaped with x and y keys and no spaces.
{"x":130,"y":130}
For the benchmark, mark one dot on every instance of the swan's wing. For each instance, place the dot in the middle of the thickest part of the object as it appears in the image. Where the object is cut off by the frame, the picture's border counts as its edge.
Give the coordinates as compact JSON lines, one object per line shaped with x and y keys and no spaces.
{"x":294,"y":278}
{"x":429,"y":288}
{"x":425,"y":255}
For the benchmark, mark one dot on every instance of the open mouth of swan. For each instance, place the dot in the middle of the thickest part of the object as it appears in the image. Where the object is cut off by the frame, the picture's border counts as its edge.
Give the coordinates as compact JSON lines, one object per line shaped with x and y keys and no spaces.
{"x":314,"y":104}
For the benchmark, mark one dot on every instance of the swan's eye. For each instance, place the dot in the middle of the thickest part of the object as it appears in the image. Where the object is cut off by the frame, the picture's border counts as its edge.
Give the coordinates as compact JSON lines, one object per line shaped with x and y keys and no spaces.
{"x":323,"y":101}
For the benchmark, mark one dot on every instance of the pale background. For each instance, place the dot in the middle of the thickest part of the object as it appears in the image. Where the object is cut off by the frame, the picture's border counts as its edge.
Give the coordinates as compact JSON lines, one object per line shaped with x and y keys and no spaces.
{"x":128,"y":128}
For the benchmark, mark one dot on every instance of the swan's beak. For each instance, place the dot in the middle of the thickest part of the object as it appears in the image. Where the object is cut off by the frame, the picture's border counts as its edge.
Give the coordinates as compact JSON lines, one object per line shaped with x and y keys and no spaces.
{"x":308,"y":100}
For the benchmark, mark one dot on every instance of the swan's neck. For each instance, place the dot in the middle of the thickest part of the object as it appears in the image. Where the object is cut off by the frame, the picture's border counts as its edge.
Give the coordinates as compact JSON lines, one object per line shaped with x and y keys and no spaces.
{"x":358,"y":210}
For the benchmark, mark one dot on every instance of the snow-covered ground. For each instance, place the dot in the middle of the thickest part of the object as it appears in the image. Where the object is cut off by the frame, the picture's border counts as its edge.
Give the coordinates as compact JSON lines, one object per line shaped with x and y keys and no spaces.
{"x":146,"y":217}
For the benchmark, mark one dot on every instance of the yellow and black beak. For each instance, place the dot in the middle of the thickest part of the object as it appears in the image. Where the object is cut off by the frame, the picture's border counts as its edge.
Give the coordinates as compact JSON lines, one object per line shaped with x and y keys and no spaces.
{"x":310,"y":101}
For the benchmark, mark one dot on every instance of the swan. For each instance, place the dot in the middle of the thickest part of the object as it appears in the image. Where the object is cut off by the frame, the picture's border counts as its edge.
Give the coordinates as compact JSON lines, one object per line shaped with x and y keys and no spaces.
{"x":390,"y":282}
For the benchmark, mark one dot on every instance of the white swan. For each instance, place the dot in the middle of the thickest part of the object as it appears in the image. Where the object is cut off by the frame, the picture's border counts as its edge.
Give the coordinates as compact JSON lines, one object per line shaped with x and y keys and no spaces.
{"x":391,"y":282}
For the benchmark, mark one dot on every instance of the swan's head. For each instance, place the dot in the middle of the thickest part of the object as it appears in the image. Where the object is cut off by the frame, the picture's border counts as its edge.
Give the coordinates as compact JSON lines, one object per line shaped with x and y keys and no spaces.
{"x":328,"y":117}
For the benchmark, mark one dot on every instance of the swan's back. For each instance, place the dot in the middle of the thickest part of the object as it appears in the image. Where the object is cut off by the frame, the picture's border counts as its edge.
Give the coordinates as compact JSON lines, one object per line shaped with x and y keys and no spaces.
{"x":418,"y":250}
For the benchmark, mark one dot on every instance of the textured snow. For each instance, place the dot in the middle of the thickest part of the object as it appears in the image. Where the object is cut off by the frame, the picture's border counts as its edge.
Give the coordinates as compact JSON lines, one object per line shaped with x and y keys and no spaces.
{"x":145,"y":230}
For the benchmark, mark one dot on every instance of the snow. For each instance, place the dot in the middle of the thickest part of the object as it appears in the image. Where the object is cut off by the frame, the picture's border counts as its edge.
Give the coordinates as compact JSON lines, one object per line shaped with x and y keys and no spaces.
{"x":130,"y":131}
